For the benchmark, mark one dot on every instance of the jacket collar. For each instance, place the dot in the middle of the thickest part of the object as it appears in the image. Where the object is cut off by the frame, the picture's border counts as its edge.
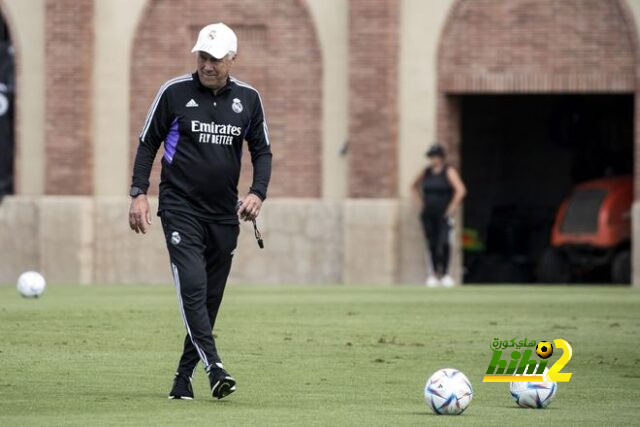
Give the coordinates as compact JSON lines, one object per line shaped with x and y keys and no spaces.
{"x":226,"y":88}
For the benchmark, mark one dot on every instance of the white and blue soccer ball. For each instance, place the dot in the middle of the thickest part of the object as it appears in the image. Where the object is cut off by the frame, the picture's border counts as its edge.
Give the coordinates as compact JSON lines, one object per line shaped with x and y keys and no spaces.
{"x":31,"y":284}
{"x":533,"y":395}
{"x":448,"y":392}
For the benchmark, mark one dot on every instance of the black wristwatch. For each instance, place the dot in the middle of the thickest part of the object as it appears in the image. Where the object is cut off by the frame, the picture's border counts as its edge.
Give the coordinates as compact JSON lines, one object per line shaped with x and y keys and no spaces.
{"x":136,"y":191}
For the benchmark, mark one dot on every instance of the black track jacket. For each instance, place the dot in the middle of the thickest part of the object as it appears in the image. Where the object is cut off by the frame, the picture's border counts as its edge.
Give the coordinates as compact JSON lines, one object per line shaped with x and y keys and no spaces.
{"x":203,"y":136}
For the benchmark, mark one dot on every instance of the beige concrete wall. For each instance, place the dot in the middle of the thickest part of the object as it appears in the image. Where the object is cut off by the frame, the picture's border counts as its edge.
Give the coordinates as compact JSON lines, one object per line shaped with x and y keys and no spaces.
{"x":370,"y":241}
{"x":331,"y":21}
{"x":307,"y":241}
{"x":412,"y":249}
{"x":122,"y":256}
{"x":26,"y":21}
{"x":20,"y":237}
{"x":115,"y":24}
{"x":303,"y":244}
{"x":53,"y":235}
{"x":88,"y":240}
{"x":66,"y":238}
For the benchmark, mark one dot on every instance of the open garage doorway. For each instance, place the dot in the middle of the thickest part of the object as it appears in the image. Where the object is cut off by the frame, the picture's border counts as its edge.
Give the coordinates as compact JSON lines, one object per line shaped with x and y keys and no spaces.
{"x":7,"y":90}
{"x":521,"y":156}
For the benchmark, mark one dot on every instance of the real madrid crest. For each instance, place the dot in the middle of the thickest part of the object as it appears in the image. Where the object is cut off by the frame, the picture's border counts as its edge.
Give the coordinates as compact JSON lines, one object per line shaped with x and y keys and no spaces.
{"x":175,"y":238}
{"x":237,"y":106}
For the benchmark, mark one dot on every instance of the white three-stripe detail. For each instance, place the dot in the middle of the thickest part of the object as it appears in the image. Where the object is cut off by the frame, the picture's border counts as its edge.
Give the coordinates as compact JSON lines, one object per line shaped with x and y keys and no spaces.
{"x":265,"y":128}
{"x":156,"y":100}
{"x":176,"y":279}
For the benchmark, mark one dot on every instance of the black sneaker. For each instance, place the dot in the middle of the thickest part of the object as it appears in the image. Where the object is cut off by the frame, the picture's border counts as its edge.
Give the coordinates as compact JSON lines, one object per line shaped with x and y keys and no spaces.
{"x":181,"y":388}
{"x":222,"y":384}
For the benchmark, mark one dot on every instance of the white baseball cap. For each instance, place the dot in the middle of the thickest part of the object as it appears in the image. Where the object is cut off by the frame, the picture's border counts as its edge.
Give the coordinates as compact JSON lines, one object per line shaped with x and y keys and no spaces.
{"x":217,"y":40}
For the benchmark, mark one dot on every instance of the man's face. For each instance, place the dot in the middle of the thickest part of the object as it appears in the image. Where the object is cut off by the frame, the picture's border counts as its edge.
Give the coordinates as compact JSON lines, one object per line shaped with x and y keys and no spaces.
{"x":213,"y":72}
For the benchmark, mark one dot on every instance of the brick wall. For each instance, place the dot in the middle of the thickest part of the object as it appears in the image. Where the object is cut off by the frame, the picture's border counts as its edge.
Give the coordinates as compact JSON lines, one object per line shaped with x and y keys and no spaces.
{"x":69,"y":59}
{"x":538,"y":46}
{"x":542,"y":46}
{"x":277,"y":53}
{"x":373,"y":94}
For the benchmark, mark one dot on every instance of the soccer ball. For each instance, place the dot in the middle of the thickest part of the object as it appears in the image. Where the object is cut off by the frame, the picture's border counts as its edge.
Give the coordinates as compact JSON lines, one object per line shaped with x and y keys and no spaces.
{"x":544,"y":349}
{"x":31,"y":284}
{"x":448,"y":392}
{"x":533,"y":395}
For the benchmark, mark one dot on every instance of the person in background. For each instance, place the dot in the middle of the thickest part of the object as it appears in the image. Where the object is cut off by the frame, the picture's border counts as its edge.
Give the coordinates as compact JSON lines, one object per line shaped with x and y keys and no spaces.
{"x":440,"y":190}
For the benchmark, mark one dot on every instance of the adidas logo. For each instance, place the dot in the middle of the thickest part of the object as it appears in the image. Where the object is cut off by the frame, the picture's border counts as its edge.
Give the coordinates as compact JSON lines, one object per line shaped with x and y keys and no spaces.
{"x":192,"y":103}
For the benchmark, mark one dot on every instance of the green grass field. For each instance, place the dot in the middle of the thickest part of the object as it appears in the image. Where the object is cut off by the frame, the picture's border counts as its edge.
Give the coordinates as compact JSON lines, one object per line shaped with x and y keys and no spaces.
{"x":311,"y":356}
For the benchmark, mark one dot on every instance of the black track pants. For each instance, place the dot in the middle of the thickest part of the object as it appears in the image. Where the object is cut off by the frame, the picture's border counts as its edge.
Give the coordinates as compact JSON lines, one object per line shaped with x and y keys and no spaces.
{"x":200,"y":254}
{"x":437,"y":230}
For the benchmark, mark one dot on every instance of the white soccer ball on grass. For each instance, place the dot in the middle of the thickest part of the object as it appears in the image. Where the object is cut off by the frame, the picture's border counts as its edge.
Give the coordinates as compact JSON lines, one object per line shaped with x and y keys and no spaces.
{"x":533,"y":395}
{"x":448,"y":392}
{"x":31,"y":284}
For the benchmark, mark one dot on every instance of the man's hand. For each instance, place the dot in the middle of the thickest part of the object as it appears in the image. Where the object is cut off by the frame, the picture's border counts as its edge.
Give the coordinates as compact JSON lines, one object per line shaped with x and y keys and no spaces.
{"x":139,"y":215}
{"x":250,"y":207}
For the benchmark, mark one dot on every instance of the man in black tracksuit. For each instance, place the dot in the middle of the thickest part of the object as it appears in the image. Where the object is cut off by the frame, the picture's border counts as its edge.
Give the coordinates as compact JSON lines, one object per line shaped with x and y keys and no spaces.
{"x":203,"y":119}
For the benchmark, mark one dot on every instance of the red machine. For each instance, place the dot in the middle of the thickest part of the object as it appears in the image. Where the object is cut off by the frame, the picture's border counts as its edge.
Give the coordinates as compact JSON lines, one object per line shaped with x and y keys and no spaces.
{"x":592,"y":230}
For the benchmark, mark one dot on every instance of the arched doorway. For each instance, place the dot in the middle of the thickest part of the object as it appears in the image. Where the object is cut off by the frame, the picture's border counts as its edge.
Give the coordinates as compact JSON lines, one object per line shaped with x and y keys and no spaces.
{"x":278,"y":54}
{"x":7,"y":91}
{"x":534,"y":99}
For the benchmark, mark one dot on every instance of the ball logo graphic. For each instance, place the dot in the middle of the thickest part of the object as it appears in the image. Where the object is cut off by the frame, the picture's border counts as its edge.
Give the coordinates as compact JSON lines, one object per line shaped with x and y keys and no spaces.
{"x":544,"y":349}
